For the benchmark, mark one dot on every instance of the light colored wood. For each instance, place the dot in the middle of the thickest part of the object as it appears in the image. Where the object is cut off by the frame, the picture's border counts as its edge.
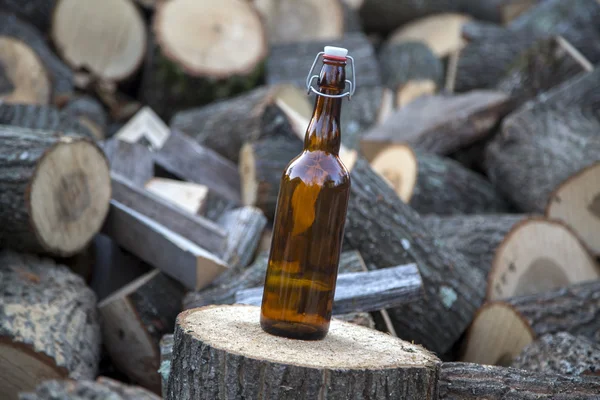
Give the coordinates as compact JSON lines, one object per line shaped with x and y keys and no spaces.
{"x":295,"y":104}
{"x":413,"y":90}
{"x":496,"y":336}
{"x":513,"y":9}
{"x":576,"y":202}
{"x":190,"y":197}
{"x":441,"y":32}
{"x":147,"y":125}
{"x":538,"y":255}
{"x":230,"y":39}
{"x":293,"y":20}
{"x":397,"y":164}
{"x":21,"y":66}
{"x":108,"y":38}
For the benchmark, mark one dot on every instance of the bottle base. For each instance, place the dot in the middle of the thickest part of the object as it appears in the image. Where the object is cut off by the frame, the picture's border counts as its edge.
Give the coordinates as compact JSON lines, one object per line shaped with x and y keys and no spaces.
{"x":293,"y":330}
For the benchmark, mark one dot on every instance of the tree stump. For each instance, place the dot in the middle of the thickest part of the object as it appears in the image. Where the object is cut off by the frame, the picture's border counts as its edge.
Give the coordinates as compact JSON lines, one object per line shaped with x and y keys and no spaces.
{"x":221,"y":352}
{"x":49,"y":324}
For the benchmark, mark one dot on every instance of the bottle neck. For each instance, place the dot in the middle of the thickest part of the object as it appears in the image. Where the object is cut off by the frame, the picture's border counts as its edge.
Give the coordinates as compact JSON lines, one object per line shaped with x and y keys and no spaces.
{"x":324,"y":131}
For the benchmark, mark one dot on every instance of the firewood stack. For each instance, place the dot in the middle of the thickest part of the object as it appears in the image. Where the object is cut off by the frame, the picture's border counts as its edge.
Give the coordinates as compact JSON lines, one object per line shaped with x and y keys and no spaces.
{"x":142,"y":143}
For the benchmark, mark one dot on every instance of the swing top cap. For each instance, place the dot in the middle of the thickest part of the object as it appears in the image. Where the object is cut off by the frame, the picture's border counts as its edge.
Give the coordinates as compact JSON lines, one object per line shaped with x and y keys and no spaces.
{"x":335,"y":52}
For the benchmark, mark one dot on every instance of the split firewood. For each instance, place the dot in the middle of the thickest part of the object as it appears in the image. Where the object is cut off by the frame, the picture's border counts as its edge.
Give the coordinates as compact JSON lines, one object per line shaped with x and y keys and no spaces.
{"x":23,"y":77}
{"x":406,"y":62}
{"x":134,"y":320}
{"x":190,"y":197}
{"x":113,"y":51}
{"x":362,"y":291}
{"x":440,"y":32}
{"x":178,"y":74}
{"x":538,"y":255}
{"x":102,"y":388}
{"x":131,"y":160}
{"x":453,"y":289}
{"x":173,"y":254}
{"x":469,"y":381}
{"x":414,"y":89}
{"x":501,"y":329}
{"x":51,"y":183}
{"x":560,"y":353}
{"x":145,"y":127}
{"x":530,"y":151}
{"x":301,"y":21}
{"x":436,"y":185}
{"x":225,"y":126}
{"x":195,"y":229}
{"x":90,"y":113}
{"x":46,"y":117}
{"x":363,"y":357}
{"x":476,"y":237}
{"x":49,"y":324}
{"x":60,"y":76}
{"x":439,"y":124}
{"x":289,"y":62}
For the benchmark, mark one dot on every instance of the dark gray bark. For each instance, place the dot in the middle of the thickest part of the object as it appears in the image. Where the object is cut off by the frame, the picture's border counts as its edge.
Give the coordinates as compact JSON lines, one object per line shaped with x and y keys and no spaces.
{"x":476,"y":237}
{"x":166,"y":355}
{"x":388,"y":232}
{"x":36,"y":12}
{"x":537,"y":147}
{"x":468,"y":381}
{"x":60,"y":74}
{"x":560,"y":353}
{"x":89,"y":112}
{"x":48,"y":313}
{"x":131,"y":160}
{"x":101,"y":388}
{"x":290,"y":62}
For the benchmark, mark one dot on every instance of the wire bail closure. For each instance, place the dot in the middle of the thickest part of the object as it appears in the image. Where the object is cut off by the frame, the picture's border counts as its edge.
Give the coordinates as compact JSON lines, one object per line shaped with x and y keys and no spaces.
{"x":310,"y":78}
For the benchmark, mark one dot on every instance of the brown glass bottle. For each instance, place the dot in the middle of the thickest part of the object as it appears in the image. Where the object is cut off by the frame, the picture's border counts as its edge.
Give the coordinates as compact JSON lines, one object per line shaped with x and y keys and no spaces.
{"x":309,"y":222}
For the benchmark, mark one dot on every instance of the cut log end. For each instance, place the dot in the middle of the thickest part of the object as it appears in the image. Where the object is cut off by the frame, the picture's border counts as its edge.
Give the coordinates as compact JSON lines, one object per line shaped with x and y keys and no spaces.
{"x":577,"y":203}
{"x":231,"y":42}
{"x":232,"y":334}
{"x":69,"y":195}
{"x":23,"y":77}
{"x":114,"y":50}
{"x":413,"y":90}
{"x":397,"y":164}
{"x":538,"y":255}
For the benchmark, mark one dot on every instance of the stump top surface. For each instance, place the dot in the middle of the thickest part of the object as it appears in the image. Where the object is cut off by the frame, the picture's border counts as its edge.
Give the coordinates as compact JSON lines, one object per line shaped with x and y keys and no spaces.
{"x":236,"y":329}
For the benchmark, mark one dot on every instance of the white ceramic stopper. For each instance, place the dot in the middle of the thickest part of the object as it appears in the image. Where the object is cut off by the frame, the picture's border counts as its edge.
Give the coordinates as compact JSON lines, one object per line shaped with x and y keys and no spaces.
{"x":335,"y":51}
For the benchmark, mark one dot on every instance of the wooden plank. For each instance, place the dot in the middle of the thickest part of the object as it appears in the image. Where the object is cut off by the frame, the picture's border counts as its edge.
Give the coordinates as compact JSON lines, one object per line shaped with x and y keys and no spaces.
{"x":132,"y":160}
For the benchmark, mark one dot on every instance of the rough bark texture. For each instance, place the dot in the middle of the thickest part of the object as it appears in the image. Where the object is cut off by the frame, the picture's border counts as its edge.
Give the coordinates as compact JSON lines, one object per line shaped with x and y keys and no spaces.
{"x":439,"y":124}
{"x":89,"y":112}
{"x":101,"y":388}
{"x":468,"y":381}
{"x":445,"y":187}
{"x":238,"y":366}
{"x":47,"y":312}
{"x":131,"y":160}
{"x":289,"y":63}
{"x":476,"y":237}
{"x":402,"y":62}
{"x":166,"y":355}
{"x":538,"y":142}
{"x":36,"y":12}
{"x":225,"y":126}
{"x":61,"y":75}
{"x":560,"y":353}
{"x":388,"y":232}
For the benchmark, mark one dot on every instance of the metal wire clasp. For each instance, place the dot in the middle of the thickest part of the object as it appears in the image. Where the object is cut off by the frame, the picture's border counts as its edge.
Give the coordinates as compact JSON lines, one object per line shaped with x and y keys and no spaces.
{"x":311,"y":77}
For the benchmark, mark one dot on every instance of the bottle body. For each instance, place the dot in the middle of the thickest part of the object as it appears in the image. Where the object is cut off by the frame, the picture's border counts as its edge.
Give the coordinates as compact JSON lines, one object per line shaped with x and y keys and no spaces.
{"x":307,"y":239}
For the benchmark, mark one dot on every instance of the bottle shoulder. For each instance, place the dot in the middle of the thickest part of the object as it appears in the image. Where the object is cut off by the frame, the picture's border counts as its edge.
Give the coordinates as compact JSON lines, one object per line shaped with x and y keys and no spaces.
{"x":318,"y":167}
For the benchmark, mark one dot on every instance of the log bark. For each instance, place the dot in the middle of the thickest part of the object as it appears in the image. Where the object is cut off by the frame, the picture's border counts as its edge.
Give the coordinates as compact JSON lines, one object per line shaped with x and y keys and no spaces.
{"x":501,"y":329}
{"x":102,"y":388}
{"x":289,"y":63}
{"x":36,"y":12}
{"x":534,"y":148}
{"x":363,"y":291}
{"x":468,"y":381}
{"x":135,"y":319}
{"x":436,"y":185}
{"x":476,"y":237}
{"x":560,"y":353}
{"x":166,"y":356}
{"x":90,"y":113}
{"x":50,"y":184}
{"x":173,"y":254}
{"x":225,"y":126}
{"x":453,"y":289}
{"x":60,"y":75}
{"x":439,"y":124}
{"x":177,"y":75}
{"x":117,"y":55}
{"x":212,"y":333}
{"x":49,"y":324}
{"x":131,"y":160}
